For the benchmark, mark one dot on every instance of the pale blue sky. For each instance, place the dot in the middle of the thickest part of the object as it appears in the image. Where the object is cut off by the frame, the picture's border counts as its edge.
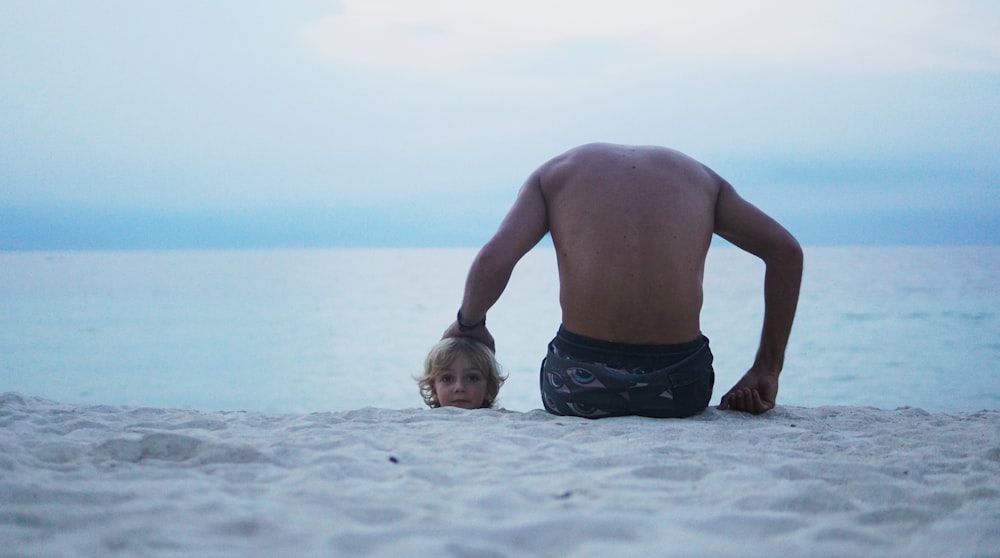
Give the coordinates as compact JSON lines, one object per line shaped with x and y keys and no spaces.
{"x":407,"y":122}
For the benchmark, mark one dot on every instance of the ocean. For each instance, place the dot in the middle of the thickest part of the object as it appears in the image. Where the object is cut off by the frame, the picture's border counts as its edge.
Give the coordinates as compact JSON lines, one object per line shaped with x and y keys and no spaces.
{"x":298,"y":331}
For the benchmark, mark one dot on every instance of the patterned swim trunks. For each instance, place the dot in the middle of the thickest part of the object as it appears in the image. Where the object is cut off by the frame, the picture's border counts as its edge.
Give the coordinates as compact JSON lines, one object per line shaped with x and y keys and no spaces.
{"x":591,"y":378}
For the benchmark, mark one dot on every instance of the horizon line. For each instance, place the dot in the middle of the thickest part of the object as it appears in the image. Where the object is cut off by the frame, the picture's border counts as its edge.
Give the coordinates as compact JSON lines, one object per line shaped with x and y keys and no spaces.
{"x":49,"y":229}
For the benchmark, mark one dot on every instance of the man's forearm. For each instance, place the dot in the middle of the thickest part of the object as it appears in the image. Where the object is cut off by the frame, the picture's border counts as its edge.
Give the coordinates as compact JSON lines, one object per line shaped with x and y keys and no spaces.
{"x":782,"y":281}
{"x":487,"y":279}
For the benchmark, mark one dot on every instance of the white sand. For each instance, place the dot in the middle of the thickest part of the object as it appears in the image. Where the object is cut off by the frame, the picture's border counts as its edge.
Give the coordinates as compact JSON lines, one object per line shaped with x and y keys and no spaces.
{"x":833,"y":481}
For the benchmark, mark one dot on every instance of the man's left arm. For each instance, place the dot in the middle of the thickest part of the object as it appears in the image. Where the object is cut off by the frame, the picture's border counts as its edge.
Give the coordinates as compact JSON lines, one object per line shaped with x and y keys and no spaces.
{"x":750,"y":229}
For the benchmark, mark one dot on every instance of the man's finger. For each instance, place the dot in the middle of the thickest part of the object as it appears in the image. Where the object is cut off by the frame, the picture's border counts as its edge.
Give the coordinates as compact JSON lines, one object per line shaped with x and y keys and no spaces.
{"x":728,"y":400}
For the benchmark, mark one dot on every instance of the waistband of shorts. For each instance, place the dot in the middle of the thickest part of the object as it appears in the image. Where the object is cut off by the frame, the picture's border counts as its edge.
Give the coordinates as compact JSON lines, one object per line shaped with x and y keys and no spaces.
{"x":582,"y":346}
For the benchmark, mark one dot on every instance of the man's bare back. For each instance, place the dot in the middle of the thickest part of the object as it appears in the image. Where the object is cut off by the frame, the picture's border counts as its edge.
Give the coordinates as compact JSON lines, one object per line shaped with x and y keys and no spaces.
{"x":631,"y":228}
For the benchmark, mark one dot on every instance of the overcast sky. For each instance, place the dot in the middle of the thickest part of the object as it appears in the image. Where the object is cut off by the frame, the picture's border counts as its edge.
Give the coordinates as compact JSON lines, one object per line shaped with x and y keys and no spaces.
{"x":400,"y":115}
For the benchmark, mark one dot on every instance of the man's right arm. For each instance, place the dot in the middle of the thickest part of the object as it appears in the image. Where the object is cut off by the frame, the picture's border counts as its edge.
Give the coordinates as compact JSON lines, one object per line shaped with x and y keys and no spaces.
{"x":752,"y":230}
{"x":524,"y":225}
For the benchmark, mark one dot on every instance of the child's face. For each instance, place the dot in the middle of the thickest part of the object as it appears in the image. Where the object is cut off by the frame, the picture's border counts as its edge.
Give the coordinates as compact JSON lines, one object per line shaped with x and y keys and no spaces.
{"x":460,"y":384}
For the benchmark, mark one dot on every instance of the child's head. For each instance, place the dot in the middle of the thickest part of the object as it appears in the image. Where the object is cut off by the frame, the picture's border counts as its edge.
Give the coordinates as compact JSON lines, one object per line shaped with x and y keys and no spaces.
{"x":460,"y":372}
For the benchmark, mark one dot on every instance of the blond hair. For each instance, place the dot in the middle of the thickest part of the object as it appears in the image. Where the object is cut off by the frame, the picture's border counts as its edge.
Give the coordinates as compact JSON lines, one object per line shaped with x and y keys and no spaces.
{"x":443,"y":354}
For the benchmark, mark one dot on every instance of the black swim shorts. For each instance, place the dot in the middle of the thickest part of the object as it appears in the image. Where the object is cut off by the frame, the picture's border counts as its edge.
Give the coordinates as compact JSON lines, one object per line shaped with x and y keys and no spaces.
{"x":591,"y":378}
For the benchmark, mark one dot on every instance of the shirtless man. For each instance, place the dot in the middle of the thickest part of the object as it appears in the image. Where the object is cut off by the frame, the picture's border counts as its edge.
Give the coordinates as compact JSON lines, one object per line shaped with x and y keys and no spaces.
{"x":631,"y":228}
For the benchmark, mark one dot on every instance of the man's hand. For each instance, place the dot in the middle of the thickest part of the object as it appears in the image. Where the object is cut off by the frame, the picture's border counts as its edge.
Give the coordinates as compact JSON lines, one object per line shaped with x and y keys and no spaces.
{"x":756,"y":393}
{"x":479,"y":333}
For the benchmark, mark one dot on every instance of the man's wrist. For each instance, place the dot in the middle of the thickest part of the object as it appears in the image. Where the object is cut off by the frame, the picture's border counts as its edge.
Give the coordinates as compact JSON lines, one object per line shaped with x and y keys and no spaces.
{"x":468,"y":326}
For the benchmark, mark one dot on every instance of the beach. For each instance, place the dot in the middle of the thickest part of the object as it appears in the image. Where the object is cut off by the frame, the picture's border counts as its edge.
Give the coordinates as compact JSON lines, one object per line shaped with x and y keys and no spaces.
{"x":100,"y":480}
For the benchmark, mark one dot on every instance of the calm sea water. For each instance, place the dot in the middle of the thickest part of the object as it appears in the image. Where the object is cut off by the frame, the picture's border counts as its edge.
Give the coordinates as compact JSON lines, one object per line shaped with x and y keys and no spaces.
{"x":319,"y":330}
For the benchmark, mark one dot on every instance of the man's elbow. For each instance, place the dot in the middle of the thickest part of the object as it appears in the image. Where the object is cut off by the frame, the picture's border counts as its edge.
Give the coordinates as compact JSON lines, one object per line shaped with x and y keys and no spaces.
{"x":787,"y":252}
{"x":492,"y":258}
{"x":781,"y":249}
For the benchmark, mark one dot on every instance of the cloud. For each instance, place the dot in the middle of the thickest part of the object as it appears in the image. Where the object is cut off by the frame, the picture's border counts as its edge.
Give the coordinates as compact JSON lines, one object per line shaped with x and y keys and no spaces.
{"x":837,"y":35}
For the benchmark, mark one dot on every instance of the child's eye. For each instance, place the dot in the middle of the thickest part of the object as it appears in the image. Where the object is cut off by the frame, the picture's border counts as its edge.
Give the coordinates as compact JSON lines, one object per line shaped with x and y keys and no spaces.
{"x":474,"y":378}
{"x":447,"y":378}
